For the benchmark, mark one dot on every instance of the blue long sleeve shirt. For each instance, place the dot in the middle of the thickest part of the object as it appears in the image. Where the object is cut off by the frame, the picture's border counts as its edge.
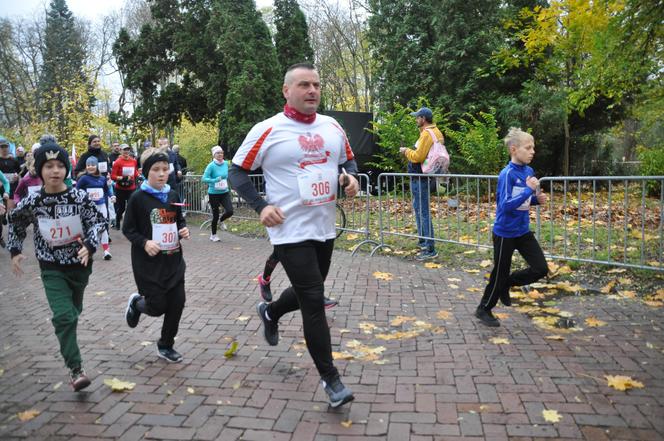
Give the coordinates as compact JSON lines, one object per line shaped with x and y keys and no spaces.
{"x":513,"y":200}
{"x":216,"y":177}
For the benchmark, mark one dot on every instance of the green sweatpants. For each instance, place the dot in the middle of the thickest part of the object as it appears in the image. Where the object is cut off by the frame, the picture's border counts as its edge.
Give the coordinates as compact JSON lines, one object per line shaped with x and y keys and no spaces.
{"x":64,"y":291}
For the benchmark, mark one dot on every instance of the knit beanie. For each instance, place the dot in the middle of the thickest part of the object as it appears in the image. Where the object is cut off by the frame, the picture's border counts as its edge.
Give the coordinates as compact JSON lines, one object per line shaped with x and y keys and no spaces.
{"x":92,"y":160}
{"x":50,"y":150}
{"x":151,"y":160}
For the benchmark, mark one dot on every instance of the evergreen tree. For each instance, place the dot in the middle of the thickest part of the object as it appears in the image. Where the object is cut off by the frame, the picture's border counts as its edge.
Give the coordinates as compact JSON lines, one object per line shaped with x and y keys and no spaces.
{"x":253,"y":74}
{"x":64,"y":88}
{"x":292,"y":36}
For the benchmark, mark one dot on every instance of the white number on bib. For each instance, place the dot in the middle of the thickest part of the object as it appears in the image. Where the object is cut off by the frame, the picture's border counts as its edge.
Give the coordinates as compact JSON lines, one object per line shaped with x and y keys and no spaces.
{"x":61,"y":231}
{"x":34,"y":189}
{"x":166,"y":235}
{"x":221,"y":185}
{"x":103,"y":167}
{"x":317,"y":188}
{"x":95,"y":194}
{"x":127,"y":171}
{"x":516,"y":191}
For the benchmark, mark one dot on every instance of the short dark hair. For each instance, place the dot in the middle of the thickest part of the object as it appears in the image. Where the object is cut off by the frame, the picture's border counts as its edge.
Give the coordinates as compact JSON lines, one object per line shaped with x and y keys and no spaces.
{"x":305,"y":65}
{"x":427,"y":119}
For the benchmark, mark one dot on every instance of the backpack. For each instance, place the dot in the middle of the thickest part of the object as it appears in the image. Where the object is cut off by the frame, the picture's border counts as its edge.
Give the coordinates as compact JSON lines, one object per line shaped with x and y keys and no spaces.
{"x":437,"y":160}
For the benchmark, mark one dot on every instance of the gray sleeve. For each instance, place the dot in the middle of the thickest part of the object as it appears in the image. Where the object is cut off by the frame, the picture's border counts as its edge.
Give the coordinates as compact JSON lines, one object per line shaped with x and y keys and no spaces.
{"x":241,"y":183}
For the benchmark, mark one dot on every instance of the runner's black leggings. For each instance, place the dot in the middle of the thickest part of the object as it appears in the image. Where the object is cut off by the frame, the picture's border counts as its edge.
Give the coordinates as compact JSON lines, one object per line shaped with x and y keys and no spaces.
{"x":121,"y":198}
{"x":169,"y":304}
{"x":501,"y":280}
{"x":307,"y":264}
{"x":223,"y":199}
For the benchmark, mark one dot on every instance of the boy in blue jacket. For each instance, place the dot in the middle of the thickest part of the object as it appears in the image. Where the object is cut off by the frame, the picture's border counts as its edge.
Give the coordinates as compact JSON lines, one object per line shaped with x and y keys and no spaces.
{"x":517,"y":189}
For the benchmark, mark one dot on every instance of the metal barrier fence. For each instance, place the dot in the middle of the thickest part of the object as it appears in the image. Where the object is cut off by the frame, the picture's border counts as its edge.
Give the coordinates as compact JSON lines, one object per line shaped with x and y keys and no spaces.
{"x":606,"y":220}
{"x":459,"y":207}
{"x":615,"y":220}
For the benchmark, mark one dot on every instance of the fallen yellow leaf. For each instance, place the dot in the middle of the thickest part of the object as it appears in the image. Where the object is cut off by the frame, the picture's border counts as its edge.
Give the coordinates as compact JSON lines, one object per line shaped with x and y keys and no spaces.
{"x":566,"y":286}
{"x":230,"y":353}
{"x":625,"y":281}
{"x":654,"y":303}
{"x":616,"y":271}
{"x":432,"y":265}
{"x":628,"y":294}
{"x":401,"y":319}
{"x":473,"y":289}
{"x":443,"y":315}
{"x":555,"y":337}
{"x":367,"y":328}
{"x":342,"y":355}
{"x":347,"y":424}
{"x":486,"y":263}
{"x":593,"y":322}
{"x":453,"y":286}
{"x":472,"y":271}
{"x":191,"y":390}
{"x":57,"y":386}
{"x":352,"y":236}
{"x":453,"y":279}
{"x":383,"y":276}
{"x":551,"y":416}
{"x":242,"y":318}
{"x":119,"y":385}
{"x":623,"y":382}
{"x":27,"y":415}
{"x":499,"y":341}
{"x":608,"y":287}
{"x":501,"y":315}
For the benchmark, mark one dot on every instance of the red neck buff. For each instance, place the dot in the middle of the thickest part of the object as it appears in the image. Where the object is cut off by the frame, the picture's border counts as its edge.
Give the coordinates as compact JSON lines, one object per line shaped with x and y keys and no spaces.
{"x":299,"y":116}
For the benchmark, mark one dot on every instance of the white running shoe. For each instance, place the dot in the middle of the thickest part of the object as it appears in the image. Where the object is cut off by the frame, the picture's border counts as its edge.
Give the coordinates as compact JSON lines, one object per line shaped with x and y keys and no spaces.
{"x":224,"y":227}
{"x":214,"y":238}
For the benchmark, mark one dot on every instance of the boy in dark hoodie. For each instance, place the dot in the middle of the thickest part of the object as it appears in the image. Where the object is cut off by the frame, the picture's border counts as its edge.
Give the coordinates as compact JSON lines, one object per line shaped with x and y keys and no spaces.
{"x":154,"y":225}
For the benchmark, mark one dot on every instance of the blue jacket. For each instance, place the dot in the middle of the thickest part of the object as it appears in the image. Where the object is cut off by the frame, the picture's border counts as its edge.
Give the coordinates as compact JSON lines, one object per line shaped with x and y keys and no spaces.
{"x":89,"y":181}
{"x":513,"y":200}
{"x":215,"y":173}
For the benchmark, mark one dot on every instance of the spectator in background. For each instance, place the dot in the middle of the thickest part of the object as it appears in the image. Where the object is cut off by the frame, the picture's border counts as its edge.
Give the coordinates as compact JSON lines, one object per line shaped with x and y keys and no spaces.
{"x":182,"y":162}
{"x":420,"y":185}
{"x":94,"y":149}
{"x":175,"y":174}
{"x":115,"y":153}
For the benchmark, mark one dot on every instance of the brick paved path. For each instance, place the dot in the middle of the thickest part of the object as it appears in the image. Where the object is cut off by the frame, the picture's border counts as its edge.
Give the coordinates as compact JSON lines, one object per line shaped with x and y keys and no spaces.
{"x":448,"y":382}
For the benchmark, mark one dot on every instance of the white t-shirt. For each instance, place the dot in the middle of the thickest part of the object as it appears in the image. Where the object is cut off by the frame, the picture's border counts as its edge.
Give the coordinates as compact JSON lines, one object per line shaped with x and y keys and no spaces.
{"x":300,"y":163}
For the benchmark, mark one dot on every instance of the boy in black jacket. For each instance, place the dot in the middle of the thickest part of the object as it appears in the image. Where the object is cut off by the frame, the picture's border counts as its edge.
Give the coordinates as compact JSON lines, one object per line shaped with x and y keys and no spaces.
{"x":154,"y":225}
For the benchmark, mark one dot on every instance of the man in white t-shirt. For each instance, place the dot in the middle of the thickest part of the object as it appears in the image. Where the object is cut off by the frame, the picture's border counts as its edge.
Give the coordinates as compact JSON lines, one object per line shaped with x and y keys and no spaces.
{"x":304,"y":157}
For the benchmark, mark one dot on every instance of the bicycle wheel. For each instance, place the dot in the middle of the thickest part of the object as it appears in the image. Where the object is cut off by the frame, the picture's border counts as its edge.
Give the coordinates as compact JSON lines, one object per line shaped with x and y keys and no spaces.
{"x":340,"y":221}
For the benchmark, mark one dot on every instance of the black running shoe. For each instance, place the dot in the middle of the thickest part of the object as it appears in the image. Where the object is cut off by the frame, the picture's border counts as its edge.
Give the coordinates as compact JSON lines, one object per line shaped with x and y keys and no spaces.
{"x":330,"y":303}
{"x":270,"y":327}
{"x":486,"y":317}
{"x":132,"y":314}
{"x":2,"y":243}
{"x":337,"y":393}
{"x":169,"y":354}
{"x":78,"y":379}
{"x":266,"y":292}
